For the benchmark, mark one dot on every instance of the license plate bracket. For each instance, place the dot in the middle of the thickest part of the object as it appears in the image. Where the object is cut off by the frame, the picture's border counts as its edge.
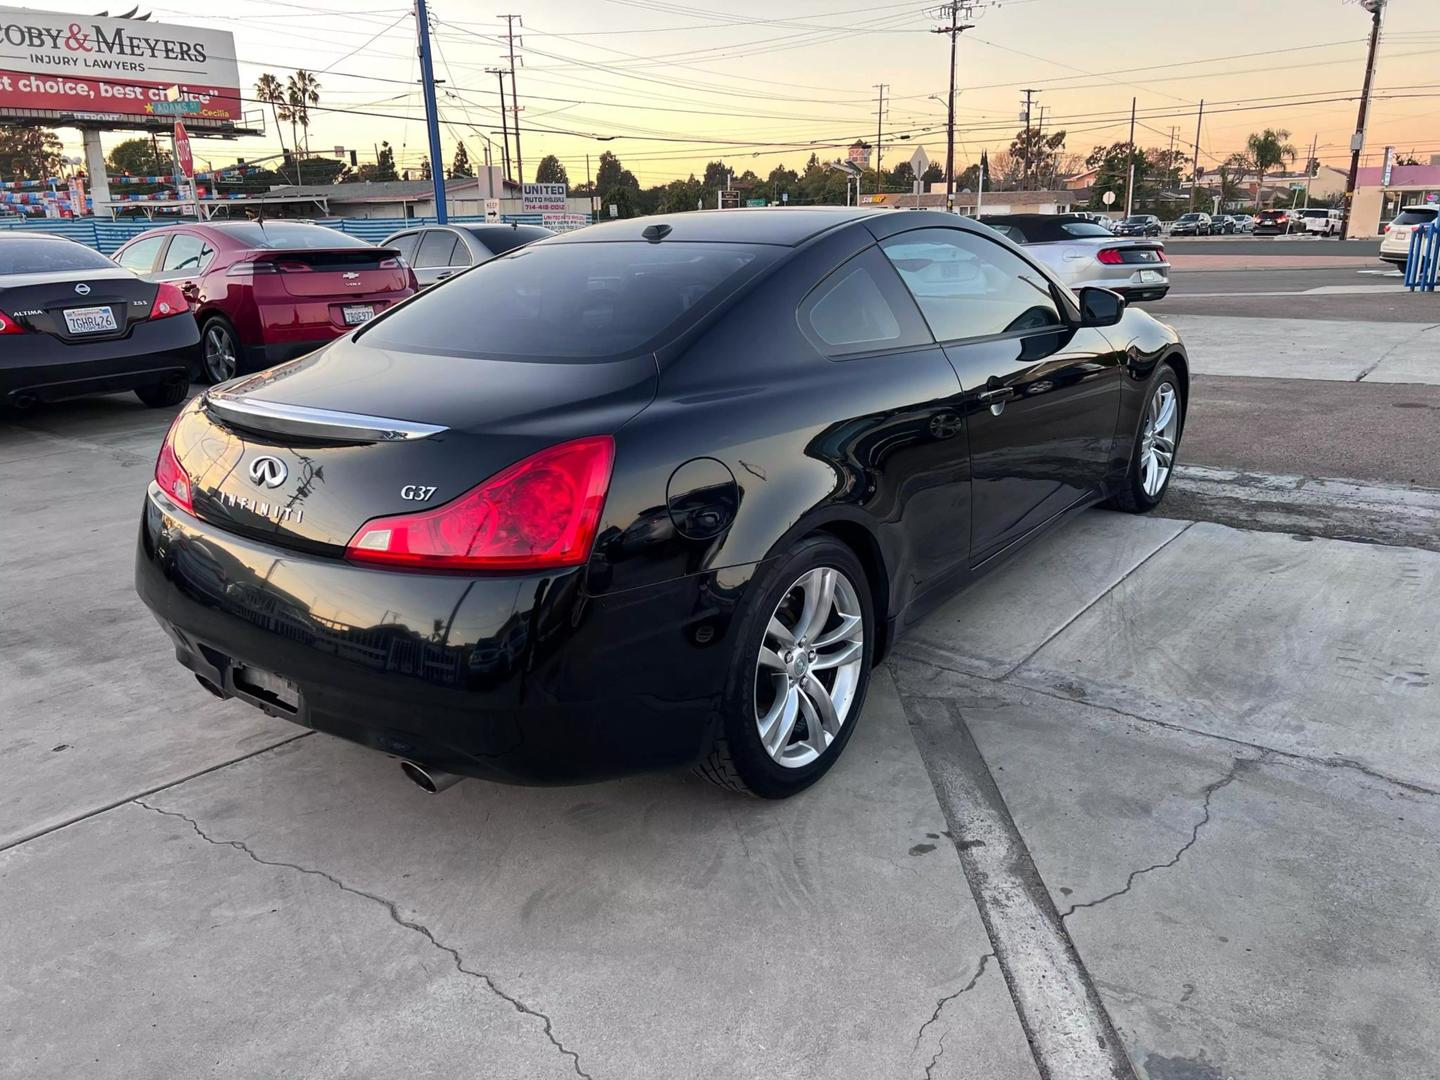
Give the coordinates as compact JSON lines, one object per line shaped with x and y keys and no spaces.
{"x":90,"y":320}
{"x":272,"y":689}
{"x":1151,"y":277}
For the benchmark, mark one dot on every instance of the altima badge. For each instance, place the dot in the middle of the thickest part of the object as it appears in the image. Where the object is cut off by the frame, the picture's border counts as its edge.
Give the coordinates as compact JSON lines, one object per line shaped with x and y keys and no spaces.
{"x":268,"y":472}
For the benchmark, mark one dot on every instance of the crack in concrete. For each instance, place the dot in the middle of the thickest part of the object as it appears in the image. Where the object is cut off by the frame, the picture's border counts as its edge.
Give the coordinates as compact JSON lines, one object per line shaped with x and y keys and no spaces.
{"x":393,"y":909}
{"x":1333,"y":761}
{"x":1231,"y":775}
{"x":939,"y":1005}
{"x":1398,"y":345}
{"x":929,"y":1069}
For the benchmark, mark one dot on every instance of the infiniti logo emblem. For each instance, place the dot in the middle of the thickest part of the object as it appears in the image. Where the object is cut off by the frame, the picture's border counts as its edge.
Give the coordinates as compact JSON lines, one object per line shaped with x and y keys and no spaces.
{"x":268,"y":472}
{"x":83,"y":289}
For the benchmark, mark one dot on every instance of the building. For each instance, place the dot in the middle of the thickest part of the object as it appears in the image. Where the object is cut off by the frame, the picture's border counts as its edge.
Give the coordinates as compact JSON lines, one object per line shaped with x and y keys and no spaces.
{"x":1377,"y":202}
{"x":969,"y":203}
{"x":393,"y":198}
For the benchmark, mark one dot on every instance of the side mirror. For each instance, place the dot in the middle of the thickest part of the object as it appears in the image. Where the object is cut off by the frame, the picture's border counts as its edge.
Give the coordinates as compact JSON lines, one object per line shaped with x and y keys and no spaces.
{"x":1100,"y":307}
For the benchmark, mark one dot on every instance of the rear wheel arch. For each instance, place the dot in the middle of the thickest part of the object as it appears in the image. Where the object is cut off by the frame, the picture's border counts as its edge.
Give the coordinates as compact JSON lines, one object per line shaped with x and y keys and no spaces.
{"x":1181,"y":367}
{"x":866,"y":547}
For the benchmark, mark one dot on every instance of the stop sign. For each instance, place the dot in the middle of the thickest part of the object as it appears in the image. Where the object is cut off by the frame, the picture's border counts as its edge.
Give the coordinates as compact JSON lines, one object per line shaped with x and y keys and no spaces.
{"x":182,"y":151}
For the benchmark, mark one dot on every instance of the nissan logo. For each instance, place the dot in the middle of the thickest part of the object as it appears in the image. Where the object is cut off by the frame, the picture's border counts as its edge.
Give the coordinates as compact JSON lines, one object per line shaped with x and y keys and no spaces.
{"x":83,"y":289}
{"x":268,"y":472}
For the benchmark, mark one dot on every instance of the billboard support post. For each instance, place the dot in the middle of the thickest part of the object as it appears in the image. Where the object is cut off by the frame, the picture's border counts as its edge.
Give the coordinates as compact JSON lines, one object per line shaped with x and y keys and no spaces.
{"x":432,"y":122}
{"x":95,"y":173}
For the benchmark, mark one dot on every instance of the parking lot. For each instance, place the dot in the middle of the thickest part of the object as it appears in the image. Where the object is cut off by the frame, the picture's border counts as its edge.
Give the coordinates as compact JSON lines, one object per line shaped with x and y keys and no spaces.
{"x":1174,"y":779}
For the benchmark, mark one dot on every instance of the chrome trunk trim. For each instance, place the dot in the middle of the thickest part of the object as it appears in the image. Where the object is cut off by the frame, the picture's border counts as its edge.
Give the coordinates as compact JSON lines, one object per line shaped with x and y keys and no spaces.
{"x":275,"y":417}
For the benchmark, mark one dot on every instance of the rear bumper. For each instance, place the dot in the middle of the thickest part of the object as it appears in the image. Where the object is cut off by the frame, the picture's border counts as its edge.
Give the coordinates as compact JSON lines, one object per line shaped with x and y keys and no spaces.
{"x":523,"y":679}
{"x":154,"y":354}
{"x":264,"y":356}
{"x":1130,"y":286}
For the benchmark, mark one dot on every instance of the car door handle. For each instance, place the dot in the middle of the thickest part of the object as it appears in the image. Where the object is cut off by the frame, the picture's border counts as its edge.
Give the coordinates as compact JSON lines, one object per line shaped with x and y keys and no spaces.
{"x":1000,"y":393}
{"x":447,"y":273}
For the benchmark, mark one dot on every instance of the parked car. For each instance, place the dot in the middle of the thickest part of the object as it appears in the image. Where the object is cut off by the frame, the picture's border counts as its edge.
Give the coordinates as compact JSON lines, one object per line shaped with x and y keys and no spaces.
{"x":263,"y":292}
{"x":1082,"y":253}
{"x":1275,"y":223}
{"x":1244,"y":223}
{"x":439,"y":251}
{"x":1195,"y":223}
{"x":658,"y":492}
{"x":1139,"y":225}
{"x":1321,"y":220}
{"x":1395,"y":244}
{"x":72,"y":322}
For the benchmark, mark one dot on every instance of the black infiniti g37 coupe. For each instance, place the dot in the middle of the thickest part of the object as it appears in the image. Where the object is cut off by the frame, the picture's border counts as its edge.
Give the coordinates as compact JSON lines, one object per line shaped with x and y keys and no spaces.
{"x":656,"y":493}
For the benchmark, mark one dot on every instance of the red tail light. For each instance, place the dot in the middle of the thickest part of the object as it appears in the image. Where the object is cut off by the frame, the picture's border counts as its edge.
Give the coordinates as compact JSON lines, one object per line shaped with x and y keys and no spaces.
{"x":1387,"y":228}
{"x":1110,"y":256}
{"x":541,"y":513}
{"x":291,"y":266}
{"x":169,"y":301}
{"x":9,"y":325}
{"x":170,"y":474}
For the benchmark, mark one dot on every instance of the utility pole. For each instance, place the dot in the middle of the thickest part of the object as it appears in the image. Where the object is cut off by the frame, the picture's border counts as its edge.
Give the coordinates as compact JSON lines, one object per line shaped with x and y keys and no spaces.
{"x":499,"y":73}
{"x":1130,"y":153}
{"x":514,"y":94}
{"x":432,"y":112}
{"x":1314,"y":145}
{"x":1195,"y":177}
{"x":879,"y":128}
{"x":1026,"y":144}
{"x":1357,"y":141}
{"x":955,"y":29}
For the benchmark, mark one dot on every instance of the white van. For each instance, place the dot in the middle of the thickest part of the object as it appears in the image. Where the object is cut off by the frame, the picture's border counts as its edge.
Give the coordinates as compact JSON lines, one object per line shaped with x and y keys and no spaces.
{"x":1319,"y":220}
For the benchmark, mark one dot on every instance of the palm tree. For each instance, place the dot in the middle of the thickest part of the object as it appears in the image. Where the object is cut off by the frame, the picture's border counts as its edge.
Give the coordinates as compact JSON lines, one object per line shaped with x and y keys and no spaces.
{"x":301,"y":91}
{"x":269,"y":90}
{"x":1267,"y":150}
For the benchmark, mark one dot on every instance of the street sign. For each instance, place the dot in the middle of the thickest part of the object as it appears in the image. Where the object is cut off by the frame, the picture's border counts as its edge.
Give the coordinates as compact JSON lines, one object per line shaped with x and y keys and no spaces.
{"x":544,"y":198}
{"x":1297,"y":185}
{"x":729,"y":199}
{"x":176,"y":108}
{"x":754,"y":202}
{"x":492,"y":210}
{"x":919,"y":162}
{"x":1108,"y":198}
{"x":182,"y":151}
{"x":614,"y":210}
{"x":1388,"y":169}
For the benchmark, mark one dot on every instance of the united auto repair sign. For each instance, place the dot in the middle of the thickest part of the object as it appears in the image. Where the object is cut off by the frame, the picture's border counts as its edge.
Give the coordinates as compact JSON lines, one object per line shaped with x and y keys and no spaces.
{"x":85,"y":66}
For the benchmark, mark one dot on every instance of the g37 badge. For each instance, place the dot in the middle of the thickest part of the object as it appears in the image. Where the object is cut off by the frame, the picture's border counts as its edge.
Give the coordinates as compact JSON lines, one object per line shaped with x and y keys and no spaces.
{"x":416,"y":492}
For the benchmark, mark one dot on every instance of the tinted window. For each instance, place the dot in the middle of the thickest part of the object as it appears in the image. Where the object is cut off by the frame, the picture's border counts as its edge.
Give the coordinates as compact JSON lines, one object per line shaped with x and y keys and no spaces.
{"x":436,"y":247}
{"x":1084,"y":228}
{"x":571,"y":301}
{"x":461,"y":255}
{"x":861,"y":308}
{"x":1416,"y":216}
{"x":27,"y":256}
{"x":1189,"y":217}
{"x":140,"y":256}
{"x":280,"y":235}
{"x":404,"y":244}
{"x":970,"y":287}
{"x":187,"y":254}
{"x":503,"y":238}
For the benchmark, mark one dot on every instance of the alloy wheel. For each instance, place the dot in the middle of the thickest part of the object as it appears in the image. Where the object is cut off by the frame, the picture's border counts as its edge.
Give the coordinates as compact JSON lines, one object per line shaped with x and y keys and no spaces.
{"x":809,"y":667}
{"x":1157,"y":442}
{"x":219,"y":352}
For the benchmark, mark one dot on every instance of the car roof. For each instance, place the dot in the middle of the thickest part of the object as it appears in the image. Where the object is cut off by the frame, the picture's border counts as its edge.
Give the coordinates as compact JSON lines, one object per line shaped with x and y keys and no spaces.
{"x":785,"y":226}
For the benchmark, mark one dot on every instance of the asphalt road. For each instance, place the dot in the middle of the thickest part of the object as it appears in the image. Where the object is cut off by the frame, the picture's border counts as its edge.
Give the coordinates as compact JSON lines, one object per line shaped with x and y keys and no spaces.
{"x":1373,"y":295}
{"x":1270,"y":245}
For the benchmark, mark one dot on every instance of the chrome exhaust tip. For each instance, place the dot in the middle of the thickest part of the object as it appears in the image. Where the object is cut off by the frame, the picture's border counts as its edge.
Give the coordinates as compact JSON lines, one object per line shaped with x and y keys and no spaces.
{"x":427,"y":779}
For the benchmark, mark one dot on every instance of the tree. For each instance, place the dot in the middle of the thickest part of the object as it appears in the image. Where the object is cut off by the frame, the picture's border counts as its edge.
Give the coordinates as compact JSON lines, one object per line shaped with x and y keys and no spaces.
{"x":460,"y":167}
{"x":1037,"y":153}
{"x":622,"y":197}
{"x":781,"y":181}
{"x":302,"y":90}
{"x":28,"y":153}
{"x":934,"y":174}
{"x":717,"y":176}
{"x":383,"y":168}
{"x":269,"y":90}
{"x":425,"y":173}
{"x":902,"y":177}
{"x":1267,"y":149}
{"x":611,"y":174}
{"x":679,"y":195}
{"x":550,"y":171}
{"x":137,"y":157}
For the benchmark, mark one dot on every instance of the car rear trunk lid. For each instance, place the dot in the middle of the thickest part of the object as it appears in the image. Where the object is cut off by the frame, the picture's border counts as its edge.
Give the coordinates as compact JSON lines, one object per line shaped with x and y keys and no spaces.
{"x":335,"y":274}
{"x":92,"y":301}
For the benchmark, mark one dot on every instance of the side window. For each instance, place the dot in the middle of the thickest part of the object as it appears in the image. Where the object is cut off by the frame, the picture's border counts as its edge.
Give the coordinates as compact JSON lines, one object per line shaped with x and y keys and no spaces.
{"x":861,"y":308}
{"x":461,"y":255}
{"x":970,"y":287}
{"x":140,"y":256}
{"x":187,"y":255}
{"x":436,"y":246}
{"x":405,"y":245}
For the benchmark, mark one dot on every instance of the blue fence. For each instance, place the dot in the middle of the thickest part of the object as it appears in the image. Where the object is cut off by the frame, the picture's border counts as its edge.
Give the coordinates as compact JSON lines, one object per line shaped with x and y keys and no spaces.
{"x":1422,"y":268}
{"x":107,"y":236}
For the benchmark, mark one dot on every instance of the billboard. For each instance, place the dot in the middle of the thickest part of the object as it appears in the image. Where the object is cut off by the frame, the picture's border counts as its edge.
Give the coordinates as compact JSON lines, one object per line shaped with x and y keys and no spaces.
{"x":99,"y":69}
{"x":544,"y":198}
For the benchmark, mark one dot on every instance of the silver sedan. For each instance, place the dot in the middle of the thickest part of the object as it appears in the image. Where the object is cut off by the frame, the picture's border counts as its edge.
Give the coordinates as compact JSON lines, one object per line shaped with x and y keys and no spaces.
{"x":1082,"y":253}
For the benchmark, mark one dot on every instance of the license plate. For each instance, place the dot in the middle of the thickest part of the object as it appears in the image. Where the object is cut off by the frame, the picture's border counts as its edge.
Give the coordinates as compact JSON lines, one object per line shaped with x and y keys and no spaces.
{"x":355,"y":314}
{"x":90,"y":320}
{"x":1150,"y":277}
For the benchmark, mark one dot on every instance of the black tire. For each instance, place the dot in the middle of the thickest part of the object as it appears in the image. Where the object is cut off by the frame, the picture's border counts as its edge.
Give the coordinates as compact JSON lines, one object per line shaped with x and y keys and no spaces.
{"x":163,"y":395}
{"x":214,"y":331}
{"x":1132,"y":498}
{"x":738,"y":760}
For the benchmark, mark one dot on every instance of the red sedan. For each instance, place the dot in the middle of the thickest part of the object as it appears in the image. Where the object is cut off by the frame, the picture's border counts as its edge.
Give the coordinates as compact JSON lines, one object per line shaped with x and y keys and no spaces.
{"x":264,"y":292}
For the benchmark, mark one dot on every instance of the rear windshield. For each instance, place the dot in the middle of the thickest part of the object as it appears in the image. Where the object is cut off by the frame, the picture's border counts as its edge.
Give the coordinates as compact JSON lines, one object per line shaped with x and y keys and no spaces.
{"x":1271,"y":215}
{"x":571,"y":301}
{"x":48,"y":256}
{"x":1416,"y":216}
{"x":501,"y":239}
{"x":1137,"y":219}
{"x":1044,"y":230}
{"x":279,"y":235}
